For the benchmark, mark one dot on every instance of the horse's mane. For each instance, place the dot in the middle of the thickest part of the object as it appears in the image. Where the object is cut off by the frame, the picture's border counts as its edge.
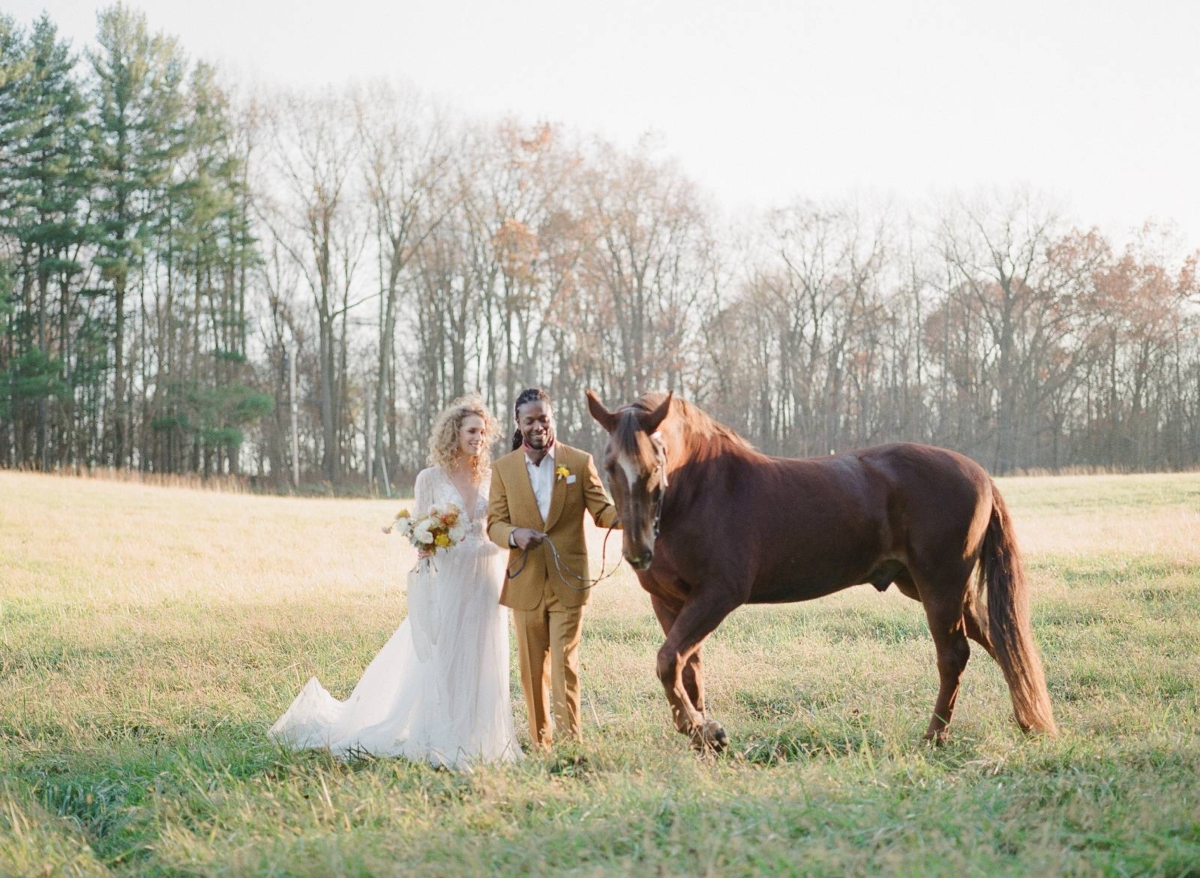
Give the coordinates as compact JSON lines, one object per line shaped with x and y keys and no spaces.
{"x":703,"y":433}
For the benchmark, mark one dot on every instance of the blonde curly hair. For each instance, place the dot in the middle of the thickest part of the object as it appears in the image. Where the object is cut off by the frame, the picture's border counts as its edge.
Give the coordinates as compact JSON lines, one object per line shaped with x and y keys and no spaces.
{"x":444,"y":450}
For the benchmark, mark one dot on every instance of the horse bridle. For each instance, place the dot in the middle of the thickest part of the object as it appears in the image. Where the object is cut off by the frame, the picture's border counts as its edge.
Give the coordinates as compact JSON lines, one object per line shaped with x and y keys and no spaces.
{"x":661,"y":471}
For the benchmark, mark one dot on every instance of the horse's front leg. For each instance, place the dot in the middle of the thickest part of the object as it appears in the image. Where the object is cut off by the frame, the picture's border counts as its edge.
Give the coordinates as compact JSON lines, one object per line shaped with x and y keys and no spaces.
{"x":666,"y":611}
{"x":699,"y":617}
{"x":693,"y":680}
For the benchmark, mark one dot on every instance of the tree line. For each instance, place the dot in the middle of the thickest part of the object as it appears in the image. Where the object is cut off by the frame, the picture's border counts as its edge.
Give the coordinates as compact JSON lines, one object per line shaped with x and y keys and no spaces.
{"x":290,"y":284}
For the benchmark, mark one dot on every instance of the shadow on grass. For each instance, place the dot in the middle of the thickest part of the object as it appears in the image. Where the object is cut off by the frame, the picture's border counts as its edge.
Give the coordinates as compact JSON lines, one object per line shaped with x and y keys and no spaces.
{"x":111,"y":788}
{"x":121,"y":789}
{"x":106,"y":792}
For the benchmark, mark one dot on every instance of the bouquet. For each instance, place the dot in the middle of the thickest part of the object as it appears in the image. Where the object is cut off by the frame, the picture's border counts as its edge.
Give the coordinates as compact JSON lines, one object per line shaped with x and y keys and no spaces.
{"x":442,"y":527}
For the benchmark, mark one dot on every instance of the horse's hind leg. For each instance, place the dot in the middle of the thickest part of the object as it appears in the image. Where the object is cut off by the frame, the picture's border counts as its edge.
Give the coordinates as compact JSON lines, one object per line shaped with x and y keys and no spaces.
{"x":942,"y":598}
{"x":975,"y":617}
{"x":907,"y":586}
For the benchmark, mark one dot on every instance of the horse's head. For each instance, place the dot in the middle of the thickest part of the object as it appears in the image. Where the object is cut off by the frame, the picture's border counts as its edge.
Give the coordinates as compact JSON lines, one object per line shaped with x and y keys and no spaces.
{"x":636,"y":463}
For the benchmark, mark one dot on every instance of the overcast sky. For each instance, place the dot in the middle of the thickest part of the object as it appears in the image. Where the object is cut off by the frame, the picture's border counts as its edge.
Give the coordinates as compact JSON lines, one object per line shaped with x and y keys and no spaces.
{"x":1096,"y":103}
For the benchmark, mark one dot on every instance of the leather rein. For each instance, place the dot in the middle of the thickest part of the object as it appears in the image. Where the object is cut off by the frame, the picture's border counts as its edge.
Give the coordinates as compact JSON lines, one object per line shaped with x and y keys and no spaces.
{"x":563,"y":571}
{"x":660,"y":470}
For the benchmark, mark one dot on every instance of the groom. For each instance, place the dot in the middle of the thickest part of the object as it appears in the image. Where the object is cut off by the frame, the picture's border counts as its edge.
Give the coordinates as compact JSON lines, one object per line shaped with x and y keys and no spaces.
{"x":538,"y":497}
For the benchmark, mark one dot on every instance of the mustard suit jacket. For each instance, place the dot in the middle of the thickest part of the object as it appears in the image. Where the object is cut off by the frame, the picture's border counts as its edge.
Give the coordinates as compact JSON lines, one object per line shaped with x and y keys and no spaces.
{"x":512,"y":504}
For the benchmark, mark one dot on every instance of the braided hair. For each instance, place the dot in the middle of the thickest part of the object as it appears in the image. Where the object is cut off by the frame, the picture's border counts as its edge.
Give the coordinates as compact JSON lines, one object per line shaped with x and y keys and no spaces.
{"x":529,"y":394}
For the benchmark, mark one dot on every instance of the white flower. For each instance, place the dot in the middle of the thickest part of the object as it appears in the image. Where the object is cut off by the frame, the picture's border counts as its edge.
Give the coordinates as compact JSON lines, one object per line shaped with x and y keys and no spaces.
{"x":421,"y":533}
{"x":457,"y":533}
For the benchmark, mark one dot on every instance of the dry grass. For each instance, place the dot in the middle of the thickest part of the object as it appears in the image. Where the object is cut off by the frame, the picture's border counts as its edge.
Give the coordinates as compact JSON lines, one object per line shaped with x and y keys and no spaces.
{"x":1126,"y":515}
{"x":148,"y":636}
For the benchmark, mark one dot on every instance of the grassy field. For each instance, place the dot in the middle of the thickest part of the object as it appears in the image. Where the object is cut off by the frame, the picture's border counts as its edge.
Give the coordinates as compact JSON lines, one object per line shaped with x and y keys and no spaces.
{"x":149,"y":636}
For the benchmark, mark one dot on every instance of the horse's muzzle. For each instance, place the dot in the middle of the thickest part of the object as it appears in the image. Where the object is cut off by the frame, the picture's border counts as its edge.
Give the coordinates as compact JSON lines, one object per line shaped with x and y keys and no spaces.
{"x":641,"y":560}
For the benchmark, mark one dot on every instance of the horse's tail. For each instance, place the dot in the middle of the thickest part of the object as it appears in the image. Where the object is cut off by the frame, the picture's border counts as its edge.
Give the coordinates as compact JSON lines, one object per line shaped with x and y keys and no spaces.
{"x":1009,"y":627}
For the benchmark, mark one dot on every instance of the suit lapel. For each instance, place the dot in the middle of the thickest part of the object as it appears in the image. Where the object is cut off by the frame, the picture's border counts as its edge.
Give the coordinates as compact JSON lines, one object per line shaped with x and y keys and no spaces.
{"x":524,"y":489}
{"x":558,"y":496}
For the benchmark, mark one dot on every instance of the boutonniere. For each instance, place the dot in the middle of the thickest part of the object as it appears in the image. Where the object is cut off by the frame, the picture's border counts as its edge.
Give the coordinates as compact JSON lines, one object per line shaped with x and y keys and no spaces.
{"x":561,"y":472}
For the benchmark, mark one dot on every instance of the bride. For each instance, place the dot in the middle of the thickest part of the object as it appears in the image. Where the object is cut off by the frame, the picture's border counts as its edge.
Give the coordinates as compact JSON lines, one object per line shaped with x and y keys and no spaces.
{"x":438,"y":691}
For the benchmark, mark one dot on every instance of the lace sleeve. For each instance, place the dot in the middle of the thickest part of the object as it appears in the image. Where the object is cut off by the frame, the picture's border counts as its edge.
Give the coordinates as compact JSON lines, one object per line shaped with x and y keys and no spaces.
{"x":422,"y":493}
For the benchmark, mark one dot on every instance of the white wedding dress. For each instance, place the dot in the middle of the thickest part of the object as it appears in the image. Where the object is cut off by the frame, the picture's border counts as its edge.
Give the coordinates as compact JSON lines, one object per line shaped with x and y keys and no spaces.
{"x":438,"y":691}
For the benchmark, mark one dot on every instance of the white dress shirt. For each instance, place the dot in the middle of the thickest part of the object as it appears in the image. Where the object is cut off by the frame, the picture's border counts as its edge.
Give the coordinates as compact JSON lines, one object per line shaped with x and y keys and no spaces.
{"x":541,"y":477}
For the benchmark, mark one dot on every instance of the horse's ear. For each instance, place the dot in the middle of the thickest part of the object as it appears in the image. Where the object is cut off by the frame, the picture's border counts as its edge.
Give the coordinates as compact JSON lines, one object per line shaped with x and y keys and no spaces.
{"x":651,"y":422}
{"x":603,"y":416}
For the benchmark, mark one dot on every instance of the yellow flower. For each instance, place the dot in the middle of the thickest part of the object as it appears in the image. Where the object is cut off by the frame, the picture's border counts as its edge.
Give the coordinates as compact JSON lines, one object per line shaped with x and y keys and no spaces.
{"x":561,"y":472}
{"x":403,"y":513}
{"x":442,"y":541}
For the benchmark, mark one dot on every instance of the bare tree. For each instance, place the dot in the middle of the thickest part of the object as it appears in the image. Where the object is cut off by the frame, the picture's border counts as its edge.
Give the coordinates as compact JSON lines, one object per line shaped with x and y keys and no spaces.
{"x":409,"y":167}
{"x":829,"y":262}
{"x":648,"y":266}
{"x":317,"y":218}
{"x":997,"y":251}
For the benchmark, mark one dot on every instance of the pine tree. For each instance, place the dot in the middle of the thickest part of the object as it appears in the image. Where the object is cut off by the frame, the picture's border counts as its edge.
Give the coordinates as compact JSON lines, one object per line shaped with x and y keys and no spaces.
{"x":45,"y":178}
{"x":13,"y":62}
{"x":208,"y":246}
{"x":137,"y":81}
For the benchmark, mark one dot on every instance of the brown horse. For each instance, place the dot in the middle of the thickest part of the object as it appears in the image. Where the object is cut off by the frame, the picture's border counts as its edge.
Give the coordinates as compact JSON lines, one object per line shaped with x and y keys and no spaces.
{"x":710,"y":524}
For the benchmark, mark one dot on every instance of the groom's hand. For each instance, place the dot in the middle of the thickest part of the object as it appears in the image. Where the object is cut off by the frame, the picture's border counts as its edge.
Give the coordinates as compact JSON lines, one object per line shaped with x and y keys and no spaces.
{"x":527,"y":538}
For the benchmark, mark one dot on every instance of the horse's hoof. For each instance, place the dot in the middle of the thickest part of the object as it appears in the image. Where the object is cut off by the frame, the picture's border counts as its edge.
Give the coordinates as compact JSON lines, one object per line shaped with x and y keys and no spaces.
{"x":720,"y":740}
{"x":710,"y":737}
{"x":937,"y":738}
